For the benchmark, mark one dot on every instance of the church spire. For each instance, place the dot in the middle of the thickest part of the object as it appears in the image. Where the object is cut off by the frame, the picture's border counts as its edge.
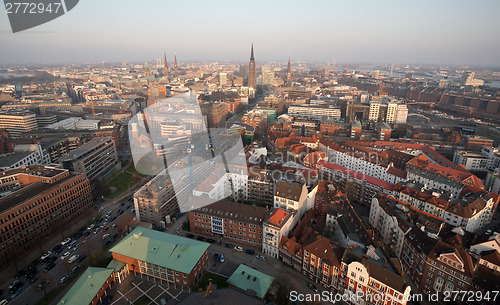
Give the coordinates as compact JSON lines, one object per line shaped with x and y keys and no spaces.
{"x":251,"y":54}
{"x":165,"y":65}
{"x":175,"y":64}
{"x":289,"y":71}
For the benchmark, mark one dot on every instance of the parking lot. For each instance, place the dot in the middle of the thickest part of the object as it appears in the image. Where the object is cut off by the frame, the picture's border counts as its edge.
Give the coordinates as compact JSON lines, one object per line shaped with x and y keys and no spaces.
{"x":142,"y":290}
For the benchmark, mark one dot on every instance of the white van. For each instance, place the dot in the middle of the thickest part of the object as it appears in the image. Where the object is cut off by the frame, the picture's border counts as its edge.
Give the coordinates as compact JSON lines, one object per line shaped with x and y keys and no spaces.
{"x":73,"y":258}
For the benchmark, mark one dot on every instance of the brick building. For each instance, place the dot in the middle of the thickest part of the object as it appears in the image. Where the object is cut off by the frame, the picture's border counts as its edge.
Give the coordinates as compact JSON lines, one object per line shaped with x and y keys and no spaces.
{"x":166,"y":257}
{"x":236,"y":222}
{"x":41,"y":201}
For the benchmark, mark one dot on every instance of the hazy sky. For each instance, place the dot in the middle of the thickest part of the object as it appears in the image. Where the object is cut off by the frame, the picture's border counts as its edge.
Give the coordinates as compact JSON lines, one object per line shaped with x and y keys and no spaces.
{"x":413,"y":32}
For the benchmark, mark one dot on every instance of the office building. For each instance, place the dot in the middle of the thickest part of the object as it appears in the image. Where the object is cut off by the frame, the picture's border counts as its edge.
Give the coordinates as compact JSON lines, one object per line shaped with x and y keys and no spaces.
{"x":17,"y":122}
{"x":38,"y":201}
{"x":93,"y":159}
{"x":177,"y":260}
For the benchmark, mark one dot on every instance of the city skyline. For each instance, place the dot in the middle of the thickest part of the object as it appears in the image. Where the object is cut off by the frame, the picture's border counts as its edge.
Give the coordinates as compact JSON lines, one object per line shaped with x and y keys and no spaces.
{"x":445,"y":33}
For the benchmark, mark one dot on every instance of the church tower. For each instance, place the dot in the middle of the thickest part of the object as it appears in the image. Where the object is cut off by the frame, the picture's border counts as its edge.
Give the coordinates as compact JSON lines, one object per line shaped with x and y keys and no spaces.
{"x":165,"y":67}
{"x":252,"y":72}
{"x":289,"y":72}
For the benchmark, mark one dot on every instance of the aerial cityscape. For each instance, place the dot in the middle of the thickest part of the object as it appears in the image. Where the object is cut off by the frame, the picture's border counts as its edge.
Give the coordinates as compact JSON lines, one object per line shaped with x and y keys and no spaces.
{"x":256,"y":175}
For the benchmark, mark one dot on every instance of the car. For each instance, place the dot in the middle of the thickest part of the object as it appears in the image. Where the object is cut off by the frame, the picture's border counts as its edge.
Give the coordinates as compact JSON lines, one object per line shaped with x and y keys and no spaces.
{"x":51,"y":259}
{"x":121,"y":204}
{"x":105,"y":236}
{"x":109,"y":213}
{"x":75,"y":269}
{"x":121,"y":212}
{"x":31,"y":273}
{"x":113,"y":225}
{"x":200,"y":238}
{"x":42,"y":284}
{"x":90,"y":227}
{"x":261,"y":257}
{"x":221,"y":258}
{"x":73,"y":258}
{"x":97,"y":230}
{"x":489,"y":231}
{"x":17,"y":292}
{"x":114,"y":236}
{"x":189,"y":235}
{"x":238,"y":248}
{"x":65,"y":241}
{"x":132,"y":211}
{"x":107,"y":242}
{"x":33,"y":264}
{"x":129,"y":206}
{"x":32,"y":280}
{"x":63,"y":279}
{"x":75,"y":247}
{"x":65,"y":255}
{"x":49,"y":267}
{"x":105,"y":229}
{"x":16,"y":287}
{"x":20,"y":274}
{"x":250,"y":251}
{"x":14,"y":283}
{"x":228,"y":246}
{"x":58,"y":249}
{"x":210,"y":240}
{"x":100,"y":220}
{"x":87,"y":234}
{"x":3,"y":301}
{"x":71,"y":244}
{"x":312,"y":287}
{"x":112,"y":218}
{"x":118,"y":212}
{"x":106,"y":300}
{"x":46,"y":255}
{"x":216,"y":256}
{"x":82,"y":258}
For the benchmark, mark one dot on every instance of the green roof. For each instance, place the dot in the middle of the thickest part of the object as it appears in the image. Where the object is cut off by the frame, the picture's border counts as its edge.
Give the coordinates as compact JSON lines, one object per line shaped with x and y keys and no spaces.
{"x":243,"y":278}
{"x":166,"y":250}
{"x":116,"y":265}
{"x":86,"y":287}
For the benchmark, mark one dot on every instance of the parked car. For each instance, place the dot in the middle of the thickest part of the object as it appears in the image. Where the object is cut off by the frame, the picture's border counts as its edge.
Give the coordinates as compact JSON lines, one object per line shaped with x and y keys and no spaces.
{"x":250,"y":251}
{"x":238,"y":248}
{"x":63,"y":279}
{"x":121,"y":204}
{"x":189,"y":235}
{"x":82,"y":258}
{"x":228,"y":246}
{"x":75,"y":269}
{"x":75,"y":247}
{"x":216,"y":256}
{"x":132,"y":211}
{"x":210,"y":240}
{"x":17,"y":292}
{"x":105,"y":229}
{"x":16,"y":287}
{"x":43,"y":284}
{"x":66,"y":254}
{"x":121,"y":212}
{"x":14,"y":283}
{"x":58,"y":249}
{"x":49,"y":267}
{"x":105,"y":236}
{"x":46,"y":255}
{"x":200,"y":238}
{"x":261,"y":257}
{"x":73,"y":258}
{"x":114,"y":236}
{"x":222,"y":258}
{"x":65,"y":241}
{"x":91,"y":227}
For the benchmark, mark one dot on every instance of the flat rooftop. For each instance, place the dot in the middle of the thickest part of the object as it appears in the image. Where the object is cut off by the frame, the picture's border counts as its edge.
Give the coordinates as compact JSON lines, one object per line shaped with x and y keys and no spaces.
{"x":30,"y":191}
{"x":35,"y":170}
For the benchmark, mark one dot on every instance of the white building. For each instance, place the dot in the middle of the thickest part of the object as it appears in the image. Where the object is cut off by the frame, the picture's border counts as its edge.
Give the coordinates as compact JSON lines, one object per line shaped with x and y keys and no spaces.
{"x":472,"y":161}
{"x":374,"y":111}
{"x":277,"y":224}
{"x":402,"y":114}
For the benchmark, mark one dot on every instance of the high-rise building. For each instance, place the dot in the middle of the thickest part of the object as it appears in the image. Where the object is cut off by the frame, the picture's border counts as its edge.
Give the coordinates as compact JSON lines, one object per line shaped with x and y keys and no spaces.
{"x":392,"y":109}
{"x":252,"y":71}
{"x":17,"y":122}
{"x":374,"y":111}
{"x":222,"y":79}
{"x":402,"y":114}
{"x":39,"y":201}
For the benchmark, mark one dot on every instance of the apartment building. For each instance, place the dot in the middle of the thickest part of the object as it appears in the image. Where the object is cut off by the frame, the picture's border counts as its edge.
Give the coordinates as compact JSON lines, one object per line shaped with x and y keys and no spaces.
{"x":235,"y":222}
{"x":276,"y":225}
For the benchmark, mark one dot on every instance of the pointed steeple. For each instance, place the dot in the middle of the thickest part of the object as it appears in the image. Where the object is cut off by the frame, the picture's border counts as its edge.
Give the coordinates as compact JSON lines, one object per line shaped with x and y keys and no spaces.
{"x":165,"y":66}
{"x":251,"y":54}
{"x":289,"y":71}
{"x":175,"y":64}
